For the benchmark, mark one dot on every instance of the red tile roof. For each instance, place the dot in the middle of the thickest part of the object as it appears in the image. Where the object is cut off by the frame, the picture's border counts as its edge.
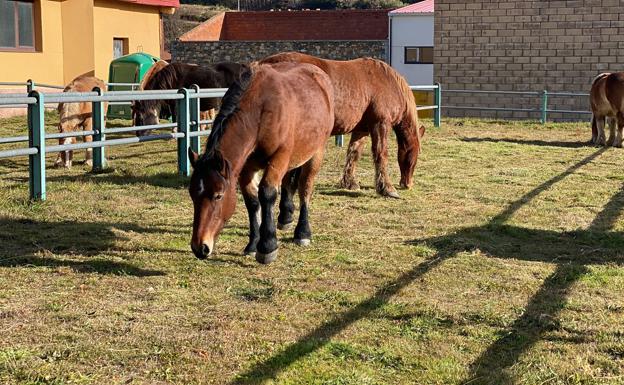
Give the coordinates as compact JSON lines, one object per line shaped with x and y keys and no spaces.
{"x":425,"y":6}
{"x":157,"y":3}
{"x":293,"y":25}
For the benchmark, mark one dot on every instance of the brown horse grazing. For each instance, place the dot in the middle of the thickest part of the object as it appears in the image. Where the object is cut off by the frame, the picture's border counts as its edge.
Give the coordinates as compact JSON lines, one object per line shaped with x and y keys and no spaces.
{"x":370,"y":99}
{"x":77,"y":117}
{"x":276,"y":118}
{"x":607,"y":105}
{"x":183,"y":75}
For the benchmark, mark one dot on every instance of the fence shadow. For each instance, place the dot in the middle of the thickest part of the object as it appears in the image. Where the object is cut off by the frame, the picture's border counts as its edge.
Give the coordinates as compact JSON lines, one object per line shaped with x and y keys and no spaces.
{"x":528,"y":142}
{"x":572,"y":250}
{"x":26,"y":242}
{"x":161,"y":179}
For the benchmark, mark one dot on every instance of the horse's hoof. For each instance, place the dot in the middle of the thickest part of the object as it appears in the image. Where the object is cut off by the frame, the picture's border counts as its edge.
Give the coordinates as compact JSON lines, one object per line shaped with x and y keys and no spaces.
{"x":89,"y":162}
{"x":265,"y":259}
{"x":302,"y":242}
{"x":284,"y":226}
{"x":349,"y":184}
{"x":249,"y":253}
{"x":390,"y":194}
{"x":406,"y":186}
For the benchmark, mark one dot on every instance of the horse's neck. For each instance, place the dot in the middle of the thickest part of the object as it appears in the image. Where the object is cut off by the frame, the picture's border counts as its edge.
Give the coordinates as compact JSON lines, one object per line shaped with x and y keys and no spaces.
{"x":237,"y":143}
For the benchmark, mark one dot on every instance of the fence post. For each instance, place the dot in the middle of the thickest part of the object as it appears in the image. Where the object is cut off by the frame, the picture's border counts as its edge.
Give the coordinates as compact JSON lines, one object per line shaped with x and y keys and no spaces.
{"x":437,"y":117}
{"x":99,"y":157}
{"x":183,"y":120}
{"x":195,"y":116}
{"x":544,"y":106}
{"x":30,"y":85}
{"x":339,"y":140}
{"x":36,"y":139}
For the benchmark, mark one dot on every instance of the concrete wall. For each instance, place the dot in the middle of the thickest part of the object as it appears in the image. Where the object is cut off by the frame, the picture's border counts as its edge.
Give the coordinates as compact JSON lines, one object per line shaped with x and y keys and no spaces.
{"x":525,"y":46}
{"x":247,"y":51}
{"x":411,"y":31}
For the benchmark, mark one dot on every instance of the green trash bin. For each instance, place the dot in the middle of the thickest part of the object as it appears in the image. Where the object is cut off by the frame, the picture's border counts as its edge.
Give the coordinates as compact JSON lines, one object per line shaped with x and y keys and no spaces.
{"x":127,"y":69}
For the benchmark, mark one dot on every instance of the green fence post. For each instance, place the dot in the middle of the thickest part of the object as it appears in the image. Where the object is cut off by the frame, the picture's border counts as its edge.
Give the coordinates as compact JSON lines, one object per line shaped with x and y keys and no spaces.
{"x":544,"y":106}
{"x":437,"y":117}
{"x":183,"y":118}
{"x":99,"y":157}
{"x":30,"y":85}
{"x":339,"y":140}
{"x":36,"y":139}
{"x":195,"y":116}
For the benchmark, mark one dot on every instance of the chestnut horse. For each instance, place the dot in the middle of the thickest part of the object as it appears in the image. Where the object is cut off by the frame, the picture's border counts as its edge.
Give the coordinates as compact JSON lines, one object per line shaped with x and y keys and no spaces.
{"x":275,"y":119}
{"x":183,"y":75}
{"x":607,"y":105}
{"x":370,"y":99}
{"x":77,"y":117}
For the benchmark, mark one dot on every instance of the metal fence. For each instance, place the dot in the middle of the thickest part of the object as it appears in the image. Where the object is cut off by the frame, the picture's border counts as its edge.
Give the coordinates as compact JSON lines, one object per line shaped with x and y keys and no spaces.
{"x":542,"y":110}
{"x":31,"y":85}
{"x":188,"y":126}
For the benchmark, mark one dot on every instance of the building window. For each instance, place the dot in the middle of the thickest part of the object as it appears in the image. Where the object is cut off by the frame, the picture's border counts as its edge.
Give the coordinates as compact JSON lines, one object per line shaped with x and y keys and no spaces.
{"x":120,"y":47}
{"x":418,"y":55}
{"x":17,"y":26}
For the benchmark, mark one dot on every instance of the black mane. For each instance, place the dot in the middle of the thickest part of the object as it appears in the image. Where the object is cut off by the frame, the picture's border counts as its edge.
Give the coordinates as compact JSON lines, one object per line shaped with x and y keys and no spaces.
{"x":229,"y":106}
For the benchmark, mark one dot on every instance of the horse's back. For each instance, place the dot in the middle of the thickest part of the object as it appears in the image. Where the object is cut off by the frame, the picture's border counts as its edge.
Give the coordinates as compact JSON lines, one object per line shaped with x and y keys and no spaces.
{"x":607,"y":94}
{"x":73,"y":114}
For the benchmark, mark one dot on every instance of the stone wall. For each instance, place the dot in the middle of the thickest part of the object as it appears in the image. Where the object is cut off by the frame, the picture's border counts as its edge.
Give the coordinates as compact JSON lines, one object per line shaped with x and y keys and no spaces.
{"x":246,"y":51}
{"x":525,"y":46}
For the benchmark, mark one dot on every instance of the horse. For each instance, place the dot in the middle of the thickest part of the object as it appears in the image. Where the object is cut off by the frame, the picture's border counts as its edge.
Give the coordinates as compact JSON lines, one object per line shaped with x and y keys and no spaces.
{"x":183,"y":75}
{"x":607,"y":105}
{"x":77,"y":117}
{"x":370,"y":98}
{"x":276,"y":118}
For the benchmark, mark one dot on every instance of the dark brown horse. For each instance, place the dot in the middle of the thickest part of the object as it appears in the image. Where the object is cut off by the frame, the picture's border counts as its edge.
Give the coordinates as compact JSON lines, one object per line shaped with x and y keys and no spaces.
{"x":183,"y":75}
{"x":275,"y":119}
{"x":607,"y":105}
{"x":370,"y":99}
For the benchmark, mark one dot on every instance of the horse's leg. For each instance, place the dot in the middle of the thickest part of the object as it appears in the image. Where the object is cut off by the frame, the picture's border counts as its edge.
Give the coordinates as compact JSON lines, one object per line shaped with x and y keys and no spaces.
{"x":248,"y":182}
{"x":379,"y":136}
{"x":303,"y":233}
{"x":354,"y":152}
{"x":594,"y":138}
{"x":600,"y":123}
{"x":271,"y":181}
{"x":286,"y":205}
{"x":88,"y":126}
{"x":618,"y":133}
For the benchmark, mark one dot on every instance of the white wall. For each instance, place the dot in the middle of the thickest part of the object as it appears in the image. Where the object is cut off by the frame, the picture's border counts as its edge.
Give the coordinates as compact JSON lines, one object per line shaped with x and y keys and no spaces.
{"x":411,"y":31}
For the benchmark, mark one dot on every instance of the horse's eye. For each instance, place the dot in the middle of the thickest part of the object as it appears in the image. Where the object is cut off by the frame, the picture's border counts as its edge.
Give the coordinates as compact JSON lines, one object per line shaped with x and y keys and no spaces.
{"x":218,"y":197}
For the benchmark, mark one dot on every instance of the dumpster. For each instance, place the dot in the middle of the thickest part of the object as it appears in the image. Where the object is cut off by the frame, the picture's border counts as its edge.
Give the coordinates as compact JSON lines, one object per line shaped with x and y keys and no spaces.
{"x":127,"y":69}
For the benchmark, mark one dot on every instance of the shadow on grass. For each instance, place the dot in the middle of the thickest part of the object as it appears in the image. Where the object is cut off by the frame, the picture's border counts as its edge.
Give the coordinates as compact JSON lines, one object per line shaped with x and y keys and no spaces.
{"x":26,"y":243}
{"x":162,"y":179}
{"x":571,"y":251}
{"x":529,"y":142}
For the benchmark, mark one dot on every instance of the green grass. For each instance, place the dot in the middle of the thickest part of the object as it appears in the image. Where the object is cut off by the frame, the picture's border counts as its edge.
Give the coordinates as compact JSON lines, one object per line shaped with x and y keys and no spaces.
{"x":502,"y":266}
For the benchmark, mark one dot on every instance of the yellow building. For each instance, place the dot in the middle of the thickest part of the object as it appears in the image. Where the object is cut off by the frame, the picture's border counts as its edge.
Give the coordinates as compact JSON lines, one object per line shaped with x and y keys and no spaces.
{"x":53,"y":41}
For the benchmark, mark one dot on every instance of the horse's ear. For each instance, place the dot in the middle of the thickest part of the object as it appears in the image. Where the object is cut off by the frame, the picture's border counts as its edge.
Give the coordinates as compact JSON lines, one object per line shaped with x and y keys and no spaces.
{"x":222,"y":164}
{"x":193,"y":156}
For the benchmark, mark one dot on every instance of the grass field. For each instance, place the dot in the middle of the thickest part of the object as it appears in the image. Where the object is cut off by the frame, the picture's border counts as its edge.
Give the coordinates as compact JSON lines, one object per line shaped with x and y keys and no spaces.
{"x":504,"y":265}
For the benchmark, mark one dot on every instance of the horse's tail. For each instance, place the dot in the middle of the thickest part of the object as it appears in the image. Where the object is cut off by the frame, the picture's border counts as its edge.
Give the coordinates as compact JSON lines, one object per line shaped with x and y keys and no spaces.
{"x":600,"y":76}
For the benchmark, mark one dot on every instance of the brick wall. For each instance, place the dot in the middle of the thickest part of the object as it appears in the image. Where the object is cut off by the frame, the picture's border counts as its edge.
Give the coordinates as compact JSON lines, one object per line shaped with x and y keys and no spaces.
{"x":525,"y":46}
{"x":246,"y":51}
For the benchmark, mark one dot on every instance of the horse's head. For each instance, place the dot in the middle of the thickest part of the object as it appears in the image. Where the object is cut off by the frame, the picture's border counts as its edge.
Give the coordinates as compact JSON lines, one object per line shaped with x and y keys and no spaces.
{"x":214,"y":200}
{"x":408,"y":155}
{"x":145,"y":112}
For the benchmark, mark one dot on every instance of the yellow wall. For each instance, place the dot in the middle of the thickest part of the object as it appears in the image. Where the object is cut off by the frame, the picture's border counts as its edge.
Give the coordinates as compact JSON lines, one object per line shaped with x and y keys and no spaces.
{"x":77,"y":38}
{"x":45,"y":66}
{"x":139,"y":23}
{"x":78,"y":49}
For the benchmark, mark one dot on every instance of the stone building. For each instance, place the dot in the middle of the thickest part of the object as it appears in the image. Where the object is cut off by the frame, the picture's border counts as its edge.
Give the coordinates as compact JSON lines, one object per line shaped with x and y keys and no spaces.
{"x":517,"y":45}
{"x":248,"y":36}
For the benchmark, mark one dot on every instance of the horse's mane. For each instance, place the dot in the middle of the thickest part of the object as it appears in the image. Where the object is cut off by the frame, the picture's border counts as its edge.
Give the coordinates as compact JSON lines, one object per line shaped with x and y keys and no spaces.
{"x":411,"y":112}
{"x":164,"y":79}
{"x":229,"y":106}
